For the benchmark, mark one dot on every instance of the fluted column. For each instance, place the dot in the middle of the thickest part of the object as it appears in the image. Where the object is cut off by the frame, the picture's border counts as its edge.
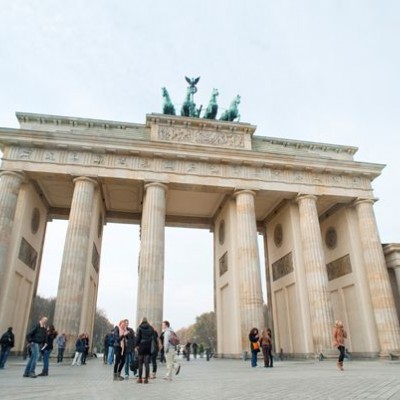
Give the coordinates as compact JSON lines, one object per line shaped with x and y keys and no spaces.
{"x":151,"y":260}
{"x":251,"y":303}
{"x":378,"y":278}
{"x":316,"y":276}
{"x":75,"y":259}
{"x":10,"y":184}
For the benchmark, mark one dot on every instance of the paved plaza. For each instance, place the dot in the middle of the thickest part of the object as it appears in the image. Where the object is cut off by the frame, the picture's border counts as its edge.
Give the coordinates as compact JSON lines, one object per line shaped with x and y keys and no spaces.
{"x":217,"y":379}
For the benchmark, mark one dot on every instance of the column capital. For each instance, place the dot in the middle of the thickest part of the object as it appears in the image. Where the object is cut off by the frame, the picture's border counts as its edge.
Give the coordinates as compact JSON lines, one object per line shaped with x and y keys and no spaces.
{"x":156,"y":184}
{"x":17,"y":174}
{"x":238,"y":192}
{"x":364,"y":200}
{"x":85,"y":179}
{"x":303,"y":196}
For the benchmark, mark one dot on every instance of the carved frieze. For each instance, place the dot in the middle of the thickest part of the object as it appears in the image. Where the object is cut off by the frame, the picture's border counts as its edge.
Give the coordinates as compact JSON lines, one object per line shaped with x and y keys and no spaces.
{"x":339,"y":267}
{"x":27,"y":254}
{"x":204,"y":167}
{"x":282,"y":267}
{"x":223,"y":264}
{"x":95,"y":258}
{"x":199,"y":136}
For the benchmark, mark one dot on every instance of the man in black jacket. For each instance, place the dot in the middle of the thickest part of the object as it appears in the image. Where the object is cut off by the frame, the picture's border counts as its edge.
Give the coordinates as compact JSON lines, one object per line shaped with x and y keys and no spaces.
{"x":36,"y":338}
{"x":130,"y":350}
{"x":7,"y":343}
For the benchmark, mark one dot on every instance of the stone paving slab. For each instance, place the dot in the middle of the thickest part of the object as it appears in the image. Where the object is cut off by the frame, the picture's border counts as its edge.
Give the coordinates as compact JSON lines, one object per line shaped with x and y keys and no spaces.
{"x":217,"y":379}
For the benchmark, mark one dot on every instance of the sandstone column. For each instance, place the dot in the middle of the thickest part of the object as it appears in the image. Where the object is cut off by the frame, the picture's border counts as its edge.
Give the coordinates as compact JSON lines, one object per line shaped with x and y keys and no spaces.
{"x":10,"y":184}
{"x":70,"y":294}
{"x":316,"y":276}
{"x":251,"y":302}
{"x":378,"y":278}
{"x":151,"y":260}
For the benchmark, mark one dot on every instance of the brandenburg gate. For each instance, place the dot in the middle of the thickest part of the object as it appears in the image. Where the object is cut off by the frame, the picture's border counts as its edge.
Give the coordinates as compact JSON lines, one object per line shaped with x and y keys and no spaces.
{"x":312,"y":202}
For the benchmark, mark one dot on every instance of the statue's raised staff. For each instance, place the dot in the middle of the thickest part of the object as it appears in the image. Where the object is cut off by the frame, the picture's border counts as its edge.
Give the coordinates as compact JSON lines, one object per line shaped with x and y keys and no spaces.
{"x":189,"y":106}
{"x":168,"y":107}
{"x":232,"y":112}
{"x":212,"y":108}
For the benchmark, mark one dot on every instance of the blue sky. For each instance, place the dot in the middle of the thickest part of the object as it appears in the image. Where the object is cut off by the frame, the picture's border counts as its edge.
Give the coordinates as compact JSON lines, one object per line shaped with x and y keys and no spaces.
{"x":324,"y":71}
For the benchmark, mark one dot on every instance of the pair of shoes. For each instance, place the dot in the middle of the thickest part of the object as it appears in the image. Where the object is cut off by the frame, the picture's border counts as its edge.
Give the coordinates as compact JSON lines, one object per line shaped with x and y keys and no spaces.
{"x":178,"y":369}
{"x":139,"y":380}
{"x":43,"y":374}
{"x":145,"y":380}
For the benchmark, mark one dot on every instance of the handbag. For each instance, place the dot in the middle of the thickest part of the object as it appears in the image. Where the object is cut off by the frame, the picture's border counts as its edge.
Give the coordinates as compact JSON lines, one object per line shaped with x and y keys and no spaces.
{"x":255,"y":346}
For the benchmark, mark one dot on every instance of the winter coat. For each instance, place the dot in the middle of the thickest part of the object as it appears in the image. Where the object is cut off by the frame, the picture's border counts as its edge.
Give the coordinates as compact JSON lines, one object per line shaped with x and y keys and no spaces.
{"x":339,"y":334}
{"x":7,"y":339}
{"x":145,"y":334}
{"x":37,"y":335}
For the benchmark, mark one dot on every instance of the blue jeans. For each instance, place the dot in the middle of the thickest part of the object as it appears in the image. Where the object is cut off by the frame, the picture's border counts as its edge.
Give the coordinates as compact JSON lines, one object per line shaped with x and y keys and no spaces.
{"x":5,"y":351}
{"x":46,"y":357}
{"x":254,"y":358}
{"x":128,"y":361}
{"x":111,"y":355}
{"x":31,"y":365}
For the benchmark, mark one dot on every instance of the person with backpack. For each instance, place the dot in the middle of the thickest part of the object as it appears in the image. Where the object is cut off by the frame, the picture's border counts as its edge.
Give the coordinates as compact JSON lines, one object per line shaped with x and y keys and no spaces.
{"x":171,"y":340}
{"x":7,"y":343}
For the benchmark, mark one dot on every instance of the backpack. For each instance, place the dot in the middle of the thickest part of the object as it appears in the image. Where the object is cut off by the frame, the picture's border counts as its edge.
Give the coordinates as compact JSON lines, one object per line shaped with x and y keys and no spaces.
{"x":173,"y":339}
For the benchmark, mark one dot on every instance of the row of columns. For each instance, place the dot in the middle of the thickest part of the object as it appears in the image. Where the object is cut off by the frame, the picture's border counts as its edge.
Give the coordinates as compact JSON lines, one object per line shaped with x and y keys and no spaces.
{"x":151,"y":263}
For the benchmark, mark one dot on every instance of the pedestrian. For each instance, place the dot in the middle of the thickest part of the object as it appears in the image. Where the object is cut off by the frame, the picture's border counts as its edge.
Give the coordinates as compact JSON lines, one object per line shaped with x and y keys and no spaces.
{"x":169,"y":350}
{"x":187,"y":351}
{"x":130,"y":351}
{"x":7,"y":343}
{"x":195,"y":348}
{"x":105,"y":345}
{"x":265,"y":342}
{"x":162,"y":354}
{"x":61,"y":344}
{"x":144,"y":337}
{"x":270,"y":356}
{"x":154,"y":353}
{"x":36,"y":338}
{"x":79,"y":349}
{"x":339,"y":334}
{"x":120,"y":333}
{"x":254,"y":346}
{"x":110,"y":357}
{"x":86,"y":350}
{"x":47,"y":348}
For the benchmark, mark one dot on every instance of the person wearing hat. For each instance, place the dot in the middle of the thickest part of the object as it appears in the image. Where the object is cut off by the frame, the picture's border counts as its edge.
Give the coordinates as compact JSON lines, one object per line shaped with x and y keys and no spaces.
{"x":7,"y":343}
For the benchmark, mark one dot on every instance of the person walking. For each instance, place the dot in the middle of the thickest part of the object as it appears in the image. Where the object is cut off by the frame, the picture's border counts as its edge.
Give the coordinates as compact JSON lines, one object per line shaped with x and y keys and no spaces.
{"x":254,"y":346}
{"x":36,"y":338}
{"x":169,"y":351}
{"x":79,"y":349}
{"x":120,"y":333}
{"x":7,"y":343}
{"x":130,"y":350}
{"x":265,"y":341}
{"x":144,"y":337}
{"x":339,"y":334}
{"x":47,"y":349}
{"x":61,"y":344}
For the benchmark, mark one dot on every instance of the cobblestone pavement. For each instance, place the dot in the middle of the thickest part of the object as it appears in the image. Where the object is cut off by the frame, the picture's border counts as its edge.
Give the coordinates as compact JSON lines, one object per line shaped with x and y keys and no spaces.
{"x":217,"y":379}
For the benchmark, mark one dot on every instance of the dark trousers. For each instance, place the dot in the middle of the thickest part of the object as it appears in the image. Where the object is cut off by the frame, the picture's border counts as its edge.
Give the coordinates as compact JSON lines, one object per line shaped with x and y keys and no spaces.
{"x":341,"y":355}
{"x":60,"y":354}
{"x":119,"y":360}
{"x":144,"y":359}
{"x":154,"y":362}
